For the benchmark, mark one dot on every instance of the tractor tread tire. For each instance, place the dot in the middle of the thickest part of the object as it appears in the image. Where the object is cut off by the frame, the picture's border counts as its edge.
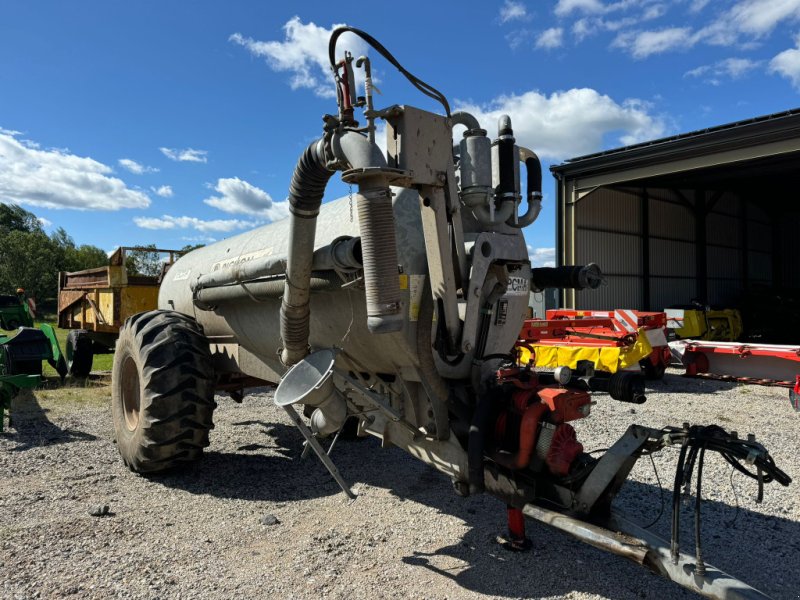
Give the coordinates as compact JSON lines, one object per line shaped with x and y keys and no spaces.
{"x":176,"y":391}
{"x":80,"y":354}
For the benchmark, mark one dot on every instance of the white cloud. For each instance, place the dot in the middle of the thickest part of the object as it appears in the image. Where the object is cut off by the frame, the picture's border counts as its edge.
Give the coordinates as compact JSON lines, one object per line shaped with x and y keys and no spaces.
{"x":565,"y":7}
{"x":44,"y":222}
{"x":551,"y":38}
{"x":743,"y":24}
{"x":240,"y":197}
{"x":55,"y":178}
{"x":695,"y":6}
{"x":165,"y":191}
{"x":135,"y":167}
{"x":570,"y":123}
{"x":542,"y":257}
{"x":185,"y":155}
{"x":645,"y":43}
{"x":759,"y":17}
{"x":730,"y":68}
{"x":513,"y":11}
{"x":304,"y":54}
{"x":199,"y":239}
{"x":170,"y":222}
{"x":787,"y":64}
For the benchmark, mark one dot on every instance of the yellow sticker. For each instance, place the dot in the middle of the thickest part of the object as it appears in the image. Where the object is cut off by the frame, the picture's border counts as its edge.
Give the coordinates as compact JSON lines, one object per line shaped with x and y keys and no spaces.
{"x":416,"y":283}
{"x":403,"y":282}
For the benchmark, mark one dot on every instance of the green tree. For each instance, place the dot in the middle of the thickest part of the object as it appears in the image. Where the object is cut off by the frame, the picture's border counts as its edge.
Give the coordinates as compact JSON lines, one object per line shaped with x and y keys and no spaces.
{"x":143,"y":260}
{"x":16,"y":218}
{"x":30,"y":260}
{"x":86,"y":256}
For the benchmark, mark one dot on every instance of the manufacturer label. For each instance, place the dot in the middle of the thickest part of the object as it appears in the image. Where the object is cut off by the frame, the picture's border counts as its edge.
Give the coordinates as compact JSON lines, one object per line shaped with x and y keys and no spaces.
{"x":182,"y":275}
{"x":242,"y":258}
{"x":518,"y":286}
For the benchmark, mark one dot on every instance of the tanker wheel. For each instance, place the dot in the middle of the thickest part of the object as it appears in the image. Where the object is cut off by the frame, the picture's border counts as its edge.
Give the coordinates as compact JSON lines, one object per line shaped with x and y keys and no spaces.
{"x":651,"y":371}
{"x":162,"y":391}
{"x":79,"y":353}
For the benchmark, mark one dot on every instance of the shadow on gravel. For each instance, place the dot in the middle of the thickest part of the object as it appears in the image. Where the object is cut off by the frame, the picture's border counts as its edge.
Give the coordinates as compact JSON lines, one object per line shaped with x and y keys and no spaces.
{"x":32,"y":429}
{"x":270,"y":471}
{"x":267,"y":467}
{"x":690,"y":385}
{"x":755,"y":547}
{"x":749,"y":545}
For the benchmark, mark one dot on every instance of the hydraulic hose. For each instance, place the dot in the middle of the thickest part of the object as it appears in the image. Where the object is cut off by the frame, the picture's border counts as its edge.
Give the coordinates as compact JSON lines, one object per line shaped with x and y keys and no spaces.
{"x":533,"y":170}
{"x":310,"y":177}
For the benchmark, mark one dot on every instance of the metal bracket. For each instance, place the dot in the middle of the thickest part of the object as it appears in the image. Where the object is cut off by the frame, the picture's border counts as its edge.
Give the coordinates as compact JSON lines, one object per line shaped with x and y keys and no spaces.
{"x":438,"y":247}
{"x":318,"y":450}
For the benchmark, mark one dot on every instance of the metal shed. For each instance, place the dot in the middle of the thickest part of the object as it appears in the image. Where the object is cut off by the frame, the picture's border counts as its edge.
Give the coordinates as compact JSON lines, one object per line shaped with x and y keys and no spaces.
{"x":709,"y":215}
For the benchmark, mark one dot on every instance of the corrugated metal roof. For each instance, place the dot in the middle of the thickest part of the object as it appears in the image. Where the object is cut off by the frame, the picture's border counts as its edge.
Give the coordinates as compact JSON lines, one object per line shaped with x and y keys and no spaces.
{"x":704,"y":141}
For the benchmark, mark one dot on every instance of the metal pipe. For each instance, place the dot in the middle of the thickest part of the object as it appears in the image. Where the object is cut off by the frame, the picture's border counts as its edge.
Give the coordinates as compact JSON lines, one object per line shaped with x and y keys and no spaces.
{"x":624,"y":538}
{"x":211,"y":297}
{"x":567,"y":277}
{"x":376,"y":222}
{"x":308,"y":184}
{"x":466,"y":119}
{"x":343,"y":254}
{"x":533,"y":168}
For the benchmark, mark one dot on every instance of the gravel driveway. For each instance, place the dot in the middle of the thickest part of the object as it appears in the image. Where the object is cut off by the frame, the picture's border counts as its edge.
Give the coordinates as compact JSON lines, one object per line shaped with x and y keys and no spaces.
{"x":205,"y":532}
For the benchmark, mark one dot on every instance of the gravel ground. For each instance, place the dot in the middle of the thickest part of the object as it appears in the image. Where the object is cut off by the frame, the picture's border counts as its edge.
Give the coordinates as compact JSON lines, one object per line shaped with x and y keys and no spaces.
{"x":205,"y":533}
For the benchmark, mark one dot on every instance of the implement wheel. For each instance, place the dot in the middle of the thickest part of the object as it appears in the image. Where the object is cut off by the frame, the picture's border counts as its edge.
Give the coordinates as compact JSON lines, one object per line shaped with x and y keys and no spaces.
{"x":162,"y":391}
{"x":79,"y":353}
{"x":651,"y":371}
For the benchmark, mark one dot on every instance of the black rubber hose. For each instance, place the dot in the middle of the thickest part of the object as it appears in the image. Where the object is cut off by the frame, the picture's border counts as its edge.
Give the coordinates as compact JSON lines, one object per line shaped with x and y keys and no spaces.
{"x":309,"y":180}
{"x":508,"y":158}
{"x":476,"y":443}
{"x":700,"y":567}
{"x":675,"y":543}
{"x":307,"y":187}
{"x":533,"y":170}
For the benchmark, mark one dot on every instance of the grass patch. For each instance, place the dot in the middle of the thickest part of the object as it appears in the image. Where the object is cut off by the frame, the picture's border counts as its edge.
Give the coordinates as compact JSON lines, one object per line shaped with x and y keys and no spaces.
{"x":102,"y":362}
{"x":95,"y":391}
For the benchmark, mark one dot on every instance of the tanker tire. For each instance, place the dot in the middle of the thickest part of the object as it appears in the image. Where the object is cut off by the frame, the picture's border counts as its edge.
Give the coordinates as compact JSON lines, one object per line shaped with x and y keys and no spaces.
{"x":162,"y":391}
{"x":79,"y":353}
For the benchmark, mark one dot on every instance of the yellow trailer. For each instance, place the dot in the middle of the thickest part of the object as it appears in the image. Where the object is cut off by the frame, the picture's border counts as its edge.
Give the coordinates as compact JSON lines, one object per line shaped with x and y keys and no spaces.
{"x":94,"y":304}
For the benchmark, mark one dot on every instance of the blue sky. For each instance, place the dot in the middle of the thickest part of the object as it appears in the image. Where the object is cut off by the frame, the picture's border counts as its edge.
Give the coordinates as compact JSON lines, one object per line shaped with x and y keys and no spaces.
{"x":177,"y":122}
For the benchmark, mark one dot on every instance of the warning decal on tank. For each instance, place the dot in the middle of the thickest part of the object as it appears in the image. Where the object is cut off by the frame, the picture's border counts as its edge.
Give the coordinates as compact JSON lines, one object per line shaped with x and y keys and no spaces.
{"x":416,"y":285}
{"x":518,"y":286}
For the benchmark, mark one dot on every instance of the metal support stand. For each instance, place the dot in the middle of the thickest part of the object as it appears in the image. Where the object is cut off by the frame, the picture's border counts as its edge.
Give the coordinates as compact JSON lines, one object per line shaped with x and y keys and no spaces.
{"x":517,"y":541}
{"x":319,"y":451}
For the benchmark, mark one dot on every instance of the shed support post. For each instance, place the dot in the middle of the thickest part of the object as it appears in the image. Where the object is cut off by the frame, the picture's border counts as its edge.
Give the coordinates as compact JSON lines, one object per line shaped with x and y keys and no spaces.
{"x":645,"y":230}
{"x":743,"y":200}
{"x":700,"y":250}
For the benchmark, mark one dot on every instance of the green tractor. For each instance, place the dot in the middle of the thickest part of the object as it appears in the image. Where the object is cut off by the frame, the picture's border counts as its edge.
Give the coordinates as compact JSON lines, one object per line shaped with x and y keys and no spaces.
{"x":16,"y":311}
{"x":22,"y":352}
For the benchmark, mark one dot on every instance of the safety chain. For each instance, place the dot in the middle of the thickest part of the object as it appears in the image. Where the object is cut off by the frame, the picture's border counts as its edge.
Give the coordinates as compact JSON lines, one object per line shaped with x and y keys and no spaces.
{"x":350,"y":196}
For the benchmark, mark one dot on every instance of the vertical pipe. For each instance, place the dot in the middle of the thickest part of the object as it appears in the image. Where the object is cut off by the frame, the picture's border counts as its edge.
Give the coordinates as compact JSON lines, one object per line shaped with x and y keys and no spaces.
{"x":379,"y":256}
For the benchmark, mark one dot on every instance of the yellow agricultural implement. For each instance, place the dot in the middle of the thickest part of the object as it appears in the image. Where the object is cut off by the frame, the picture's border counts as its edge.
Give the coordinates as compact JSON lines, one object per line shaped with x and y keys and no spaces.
{"x":94,"y":303}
